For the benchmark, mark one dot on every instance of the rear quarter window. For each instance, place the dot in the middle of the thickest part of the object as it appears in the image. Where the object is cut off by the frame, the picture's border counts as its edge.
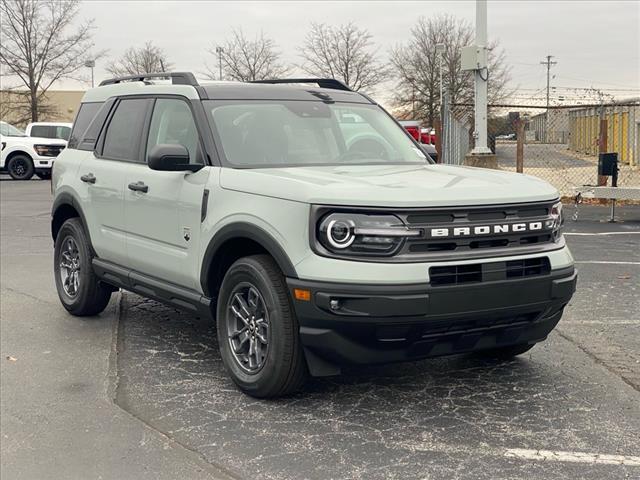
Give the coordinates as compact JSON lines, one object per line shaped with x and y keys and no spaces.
{"x":85,"y":115}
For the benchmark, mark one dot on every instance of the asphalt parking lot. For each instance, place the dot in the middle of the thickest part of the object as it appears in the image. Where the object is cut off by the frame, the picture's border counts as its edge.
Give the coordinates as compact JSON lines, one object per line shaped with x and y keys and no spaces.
{"x":140,"y":391}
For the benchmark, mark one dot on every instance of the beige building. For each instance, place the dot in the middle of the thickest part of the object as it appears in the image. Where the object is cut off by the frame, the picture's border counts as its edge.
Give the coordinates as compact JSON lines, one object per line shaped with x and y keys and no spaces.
{"x":60,"y":106}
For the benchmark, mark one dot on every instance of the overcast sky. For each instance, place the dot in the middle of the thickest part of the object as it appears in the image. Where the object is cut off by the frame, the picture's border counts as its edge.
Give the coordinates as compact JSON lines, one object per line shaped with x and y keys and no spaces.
{"x":595,"y":43}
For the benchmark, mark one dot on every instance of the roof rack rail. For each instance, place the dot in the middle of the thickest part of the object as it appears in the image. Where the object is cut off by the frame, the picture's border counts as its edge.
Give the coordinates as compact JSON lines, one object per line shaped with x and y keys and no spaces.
{"x":321,"y":82}
{"x":177,"y":78}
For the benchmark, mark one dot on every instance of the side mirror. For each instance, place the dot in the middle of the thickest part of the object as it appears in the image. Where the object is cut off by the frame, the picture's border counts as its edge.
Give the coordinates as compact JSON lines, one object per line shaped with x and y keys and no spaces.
{"x":171,"y":158}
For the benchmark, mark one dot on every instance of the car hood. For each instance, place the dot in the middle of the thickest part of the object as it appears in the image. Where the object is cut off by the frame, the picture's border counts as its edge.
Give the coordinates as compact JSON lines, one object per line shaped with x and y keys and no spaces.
{"x":389,"y":185}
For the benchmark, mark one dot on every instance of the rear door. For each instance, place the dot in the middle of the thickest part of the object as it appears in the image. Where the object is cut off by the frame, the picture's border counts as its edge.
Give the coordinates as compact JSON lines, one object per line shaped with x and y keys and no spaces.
{"x":163,"y":218}
{"x":119,"y":146}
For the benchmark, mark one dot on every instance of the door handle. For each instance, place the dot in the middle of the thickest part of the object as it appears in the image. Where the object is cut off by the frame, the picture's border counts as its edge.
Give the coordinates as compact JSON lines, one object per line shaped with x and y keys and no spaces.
{"x":139,"y":187}
{"x":88,"y":178}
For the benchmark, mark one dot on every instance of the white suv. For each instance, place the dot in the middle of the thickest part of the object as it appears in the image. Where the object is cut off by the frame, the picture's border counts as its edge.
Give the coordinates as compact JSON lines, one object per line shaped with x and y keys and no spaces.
{"x":307,"y":222}
{"x":23,"y":156}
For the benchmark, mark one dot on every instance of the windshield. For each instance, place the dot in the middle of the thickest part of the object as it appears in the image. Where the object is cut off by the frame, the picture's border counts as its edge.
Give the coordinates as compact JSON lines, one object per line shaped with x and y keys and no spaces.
{"x":10,"y":131}
{"x":268,"y":133}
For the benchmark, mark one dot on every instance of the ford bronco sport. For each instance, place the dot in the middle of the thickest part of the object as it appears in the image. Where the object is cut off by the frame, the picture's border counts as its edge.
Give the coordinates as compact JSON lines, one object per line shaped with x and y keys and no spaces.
{"x":307,"y":222}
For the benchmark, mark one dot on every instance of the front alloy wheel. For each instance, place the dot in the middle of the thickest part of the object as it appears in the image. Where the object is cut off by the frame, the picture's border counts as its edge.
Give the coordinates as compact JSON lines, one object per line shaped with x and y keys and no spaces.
{"x":248,"y":327}
{"x":258,"y":329}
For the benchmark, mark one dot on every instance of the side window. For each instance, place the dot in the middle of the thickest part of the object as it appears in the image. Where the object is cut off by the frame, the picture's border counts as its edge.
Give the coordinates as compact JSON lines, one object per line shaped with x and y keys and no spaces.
{"x":83,"y":119}
{"x":122,"y":139}
{"x":62,"y":132}
{"x":42,"y":131}
{"x":173,"y":123}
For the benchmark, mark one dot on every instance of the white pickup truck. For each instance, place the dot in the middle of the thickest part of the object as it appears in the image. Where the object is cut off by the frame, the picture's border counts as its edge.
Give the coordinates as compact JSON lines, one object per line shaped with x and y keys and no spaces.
{"x":23,"y":156}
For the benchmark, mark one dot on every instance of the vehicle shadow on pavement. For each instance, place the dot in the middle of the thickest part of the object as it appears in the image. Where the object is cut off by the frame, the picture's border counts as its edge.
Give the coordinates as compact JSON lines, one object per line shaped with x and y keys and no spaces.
{"x":376,"y":422}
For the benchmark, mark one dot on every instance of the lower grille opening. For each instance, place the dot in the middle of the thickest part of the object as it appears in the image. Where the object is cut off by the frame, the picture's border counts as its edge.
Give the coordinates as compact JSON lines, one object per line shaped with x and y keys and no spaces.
{"x":528,"y":267}
{"x":494,"y":271}
{"x":455,"y":274}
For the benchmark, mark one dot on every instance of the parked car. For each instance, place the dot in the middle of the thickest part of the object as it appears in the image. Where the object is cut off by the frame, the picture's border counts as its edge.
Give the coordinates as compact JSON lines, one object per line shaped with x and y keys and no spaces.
{"x":422,"y":135}
{"x":306,"y":222}
{"x":59,"y":130}
{"x":413,"y":127}
{"x":23,"y":156}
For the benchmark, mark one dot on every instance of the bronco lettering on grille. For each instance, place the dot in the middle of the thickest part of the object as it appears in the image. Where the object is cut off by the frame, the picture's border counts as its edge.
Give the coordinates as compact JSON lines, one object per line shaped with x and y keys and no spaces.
{"x":479,"y":230}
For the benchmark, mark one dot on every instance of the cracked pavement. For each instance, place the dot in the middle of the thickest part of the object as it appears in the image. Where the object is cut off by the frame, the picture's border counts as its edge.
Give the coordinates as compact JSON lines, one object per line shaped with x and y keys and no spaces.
{"x":459,"y":417}
{"x":145,"y":395}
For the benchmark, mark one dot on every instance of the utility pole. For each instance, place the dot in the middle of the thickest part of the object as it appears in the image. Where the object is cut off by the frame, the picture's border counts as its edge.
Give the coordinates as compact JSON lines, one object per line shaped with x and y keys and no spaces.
{"x":481,"y":75}
{"x":549,"y":64}
{"x":219,"y":51}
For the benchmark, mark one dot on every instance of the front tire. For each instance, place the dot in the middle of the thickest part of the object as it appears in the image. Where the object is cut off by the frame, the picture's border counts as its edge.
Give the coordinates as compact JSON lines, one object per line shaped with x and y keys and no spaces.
{"x":79,"y":289}
{"x":258,"y":330}
{"x":20,"y":167}
{"x":44,"y":175}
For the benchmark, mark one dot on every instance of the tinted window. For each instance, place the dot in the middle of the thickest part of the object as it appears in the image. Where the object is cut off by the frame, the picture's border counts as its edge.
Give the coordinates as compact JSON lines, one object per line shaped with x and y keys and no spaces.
{"x":62,"y":132}
{"x":42,"y":131}
{"x":122,"y":140}
{"x":172,"y":122}
{"x":83,"y":119}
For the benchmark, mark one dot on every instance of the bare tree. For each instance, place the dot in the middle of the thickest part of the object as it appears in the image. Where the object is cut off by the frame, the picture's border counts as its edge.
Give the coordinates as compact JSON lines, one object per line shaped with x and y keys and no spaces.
{"x":246,"y":60}
{"x":39,"y":46}
{"x":346,"y":53}
{"x":137,"y":60}
{"x":417,"y":69}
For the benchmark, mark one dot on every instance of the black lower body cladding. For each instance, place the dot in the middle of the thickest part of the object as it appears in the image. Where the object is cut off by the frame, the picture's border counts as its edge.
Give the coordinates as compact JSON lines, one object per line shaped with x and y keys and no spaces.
{"x":366,"y":324}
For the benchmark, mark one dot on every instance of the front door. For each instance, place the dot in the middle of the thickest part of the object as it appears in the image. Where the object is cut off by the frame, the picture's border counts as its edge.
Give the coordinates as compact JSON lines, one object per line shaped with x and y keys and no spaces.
{"x":162,"y":209}
{"x":101,"y":173}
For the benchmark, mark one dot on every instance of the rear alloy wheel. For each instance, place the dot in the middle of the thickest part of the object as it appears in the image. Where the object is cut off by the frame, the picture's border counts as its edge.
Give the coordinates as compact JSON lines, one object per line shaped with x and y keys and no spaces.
{"x":20,"y":167}
{"x":79,"y":289}
{"x":258,"y":330}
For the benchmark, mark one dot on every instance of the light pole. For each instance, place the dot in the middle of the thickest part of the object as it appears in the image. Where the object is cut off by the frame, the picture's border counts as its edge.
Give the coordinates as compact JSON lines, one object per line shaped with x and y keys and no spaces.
{"x":219,"y":51}
{"x":90,"y":64}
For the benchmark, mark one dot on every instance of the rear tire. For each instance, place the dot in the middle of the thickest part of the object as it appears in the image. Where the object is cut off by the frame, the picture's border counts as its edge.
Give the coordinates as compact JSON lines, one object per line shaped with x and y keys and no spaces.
{"x":507,"y":353}
{"x":20,"y":167}
{"x":79,"y":289}
{"x":254,"y":309}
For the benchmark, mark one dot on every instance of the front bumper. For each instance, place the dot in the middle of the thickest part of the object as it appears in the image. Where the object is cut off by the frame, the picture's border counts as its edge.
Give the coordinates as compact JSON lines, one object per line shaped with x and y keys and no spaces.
{"x":367,"y":324}
{"x":43,"y":164}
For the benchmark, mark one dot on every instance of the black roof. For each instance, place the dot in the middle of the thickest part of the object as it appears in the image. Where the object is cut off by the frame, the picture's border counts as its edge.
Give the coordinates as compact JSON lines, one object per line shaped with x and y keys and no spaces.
{"x":263,"y":91}
{"x":314,"y":89}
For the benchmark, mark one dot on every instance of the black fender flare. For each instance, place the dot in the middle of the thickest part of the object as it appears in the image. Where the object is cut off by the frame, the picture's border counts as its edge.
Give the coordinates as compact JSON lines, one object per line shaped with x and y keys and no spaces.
{"x":66,"y":198}
{"x":252,"y":232}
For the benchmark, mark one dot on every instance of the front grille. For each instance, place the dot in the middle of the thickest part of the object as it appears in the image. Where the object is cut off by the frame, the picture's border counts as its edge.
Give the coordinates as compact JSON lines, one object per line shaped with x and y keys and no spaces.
{"x":457,"y":218}
{"x":56,"y":149}
{"x":485,"y":272}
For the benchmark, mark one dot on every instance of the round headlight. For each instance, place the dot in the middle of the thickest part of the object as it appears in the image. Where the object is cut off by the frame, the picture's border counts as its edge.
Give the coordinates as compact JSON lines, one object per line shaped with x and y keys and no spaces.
{"x":340,"y":233}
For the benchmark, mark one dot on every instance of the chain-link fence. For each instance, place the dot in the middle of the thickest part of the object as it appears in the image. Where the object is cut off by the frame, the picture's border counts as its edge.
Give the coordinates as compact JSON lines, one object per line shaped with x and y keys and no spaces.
{"x":455,"y":136}
{"x":560,"y":145}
